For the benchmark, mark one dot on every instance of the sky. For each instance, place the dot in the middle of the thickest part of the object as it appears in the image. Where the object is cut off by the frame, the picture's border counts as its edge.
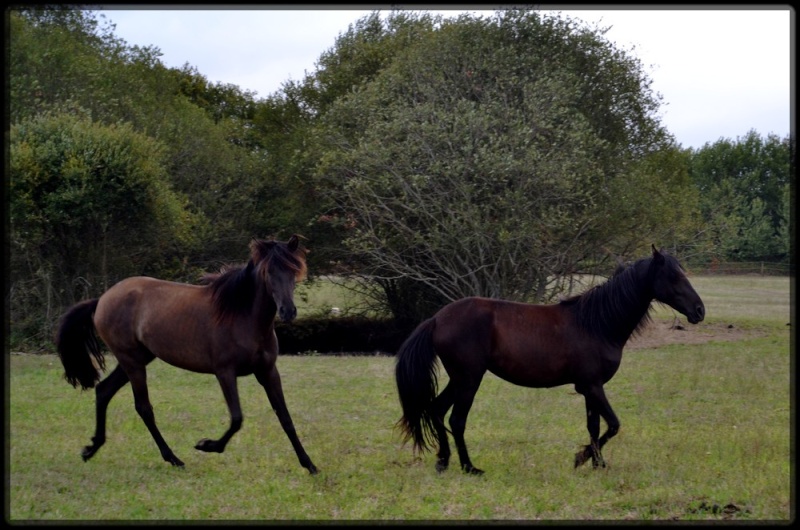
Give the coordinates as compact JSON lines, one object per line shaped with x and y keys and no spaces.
{"x":721,"y":71}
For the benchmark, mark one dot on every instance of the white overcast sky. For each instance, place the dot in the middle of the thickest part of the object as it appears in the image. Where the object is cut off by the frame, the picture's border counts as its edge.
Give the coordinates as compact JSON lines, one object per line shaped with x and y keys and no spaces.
{"x":722,"y":71}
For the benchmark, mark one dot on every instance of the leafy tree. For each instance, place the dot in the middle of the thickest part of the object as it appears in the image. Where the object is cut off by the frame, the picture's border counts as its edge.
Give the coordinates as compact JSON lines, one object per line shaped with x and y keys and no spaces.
{"x":743,"y":186}
{"x":785,"y":227}
{"x":284,"y":124}
{"x":68,"y":58}
{"x":757,"y":235}
{"x":207,"y":151}
{"x":89,"y":205}
{"x":493,"y":157}
{"x":656,"y":200}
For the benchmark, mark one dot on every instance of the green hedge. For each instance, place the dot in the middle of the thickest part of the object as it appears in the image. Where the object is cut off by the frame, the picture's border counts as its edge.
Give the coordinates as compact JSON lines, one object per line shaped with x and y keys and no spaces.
{"x":343,"y":335}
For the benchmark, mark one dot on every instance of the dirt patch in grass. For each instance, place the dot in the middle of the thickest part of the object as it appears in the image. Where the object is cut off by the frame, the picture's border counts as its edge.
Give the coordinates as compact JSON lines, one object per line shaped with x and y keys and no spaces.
{"x":660,"y":333}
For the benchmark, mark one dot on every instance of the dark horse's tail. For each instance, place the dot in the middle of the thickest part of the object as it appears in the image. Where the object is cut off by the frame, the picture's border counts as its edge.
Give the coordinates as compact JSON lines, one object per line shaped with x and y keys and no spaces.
{"x":75,"y":341}
{"x":415,"y":373}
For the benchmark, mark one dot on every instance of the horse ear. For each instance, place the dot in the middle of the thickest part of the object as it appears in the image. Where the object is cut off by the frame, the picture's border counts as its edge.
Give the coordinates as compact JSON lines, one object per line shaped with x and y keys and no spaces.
{"x":657,"y":256}
{"x":293,"y":243}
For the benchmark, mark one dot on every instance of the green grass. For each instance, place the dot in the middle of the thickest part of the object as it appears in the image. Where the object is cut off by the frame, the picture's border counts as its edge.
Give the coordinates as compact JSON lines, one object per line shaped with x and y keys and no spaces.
{"x":748,"y":299}
{"x":705,"y":436}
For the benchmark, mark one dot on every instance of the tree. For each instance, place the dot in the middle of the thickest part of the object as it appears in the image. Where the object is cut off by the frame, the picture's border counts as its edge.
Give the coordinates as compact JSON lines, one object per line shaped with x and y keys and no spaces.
{"x":743,"y":186}
{"x":65,"y":62}
{"x":89,"y":205}
{"x":492,"y":156}
{"x":284,"y":125}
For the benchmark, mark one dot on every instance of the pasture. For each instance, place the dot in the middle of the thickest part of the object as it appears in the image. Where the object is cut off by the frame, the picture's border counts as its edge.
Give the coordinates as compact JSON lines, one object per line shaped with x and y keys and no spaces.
{"x":706,"y":435}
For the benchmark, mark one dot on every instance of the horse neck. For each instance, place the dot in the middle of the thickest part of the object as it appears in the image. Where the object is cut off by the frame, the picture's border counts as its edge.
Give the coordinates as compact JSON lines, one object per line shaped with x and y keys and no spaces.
{"x":620,"y":307}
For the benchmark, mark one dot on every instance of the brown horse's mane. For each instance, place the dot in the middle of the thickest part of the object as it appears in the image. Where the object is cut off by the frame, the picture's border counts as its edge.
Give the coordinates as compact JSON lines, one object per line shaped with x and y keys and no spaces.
{"x":234,"y":287}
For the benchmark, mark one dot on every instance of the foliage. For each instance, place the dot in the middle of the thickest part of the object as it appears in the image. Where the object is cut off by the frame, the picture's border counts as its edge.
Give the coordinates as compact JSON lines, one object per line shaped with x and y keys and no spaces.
{"x":69,"y":58}
{"x":744,"y":186}
{"x":285,"y":123}
{"x":114,"y":114}
{"x":340,"y":335}
{"x":546,"y":133}
{"x":90,"y":204}
{"x":493,"y":157}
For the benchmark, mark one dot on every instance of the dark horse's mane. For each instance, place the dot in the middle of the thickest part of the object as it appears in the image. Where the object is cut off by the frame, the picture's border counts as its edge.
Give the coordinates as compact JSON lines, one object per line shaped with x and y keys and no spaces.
{"x":234,"y":287}
{"x":617,"y":308}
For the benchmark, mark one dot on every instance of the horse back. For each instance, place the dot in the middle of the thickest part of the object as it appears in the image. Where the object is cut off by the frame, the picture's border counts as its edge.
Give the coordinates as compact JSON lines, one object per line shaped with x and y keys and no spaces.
{"x":526,"y":344}
{"x":141,"y":316}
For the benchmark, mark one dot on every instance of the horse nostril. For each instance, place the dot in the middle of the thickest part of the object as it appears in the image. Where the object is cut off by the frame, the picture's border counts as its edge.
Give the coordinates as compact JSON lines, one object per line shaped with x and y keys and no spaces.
{"x":288,"y":314}
{"x":701,"y":311}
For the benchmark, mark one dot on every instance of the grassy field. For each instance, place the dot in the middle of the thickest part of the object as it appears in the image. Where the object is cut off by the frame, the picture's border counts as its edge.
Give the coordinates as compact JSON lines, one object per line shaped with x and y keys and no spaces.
{"x":706,"y":435}
{"x":748,"y":298}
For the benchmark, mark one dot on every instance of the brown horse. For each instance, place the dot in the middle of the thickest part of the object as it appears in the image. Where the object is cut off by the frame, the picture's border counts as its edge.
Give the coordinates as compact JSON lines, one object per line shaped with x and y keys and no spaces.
{"x":225,"y":328}
{"x":577,"y":341}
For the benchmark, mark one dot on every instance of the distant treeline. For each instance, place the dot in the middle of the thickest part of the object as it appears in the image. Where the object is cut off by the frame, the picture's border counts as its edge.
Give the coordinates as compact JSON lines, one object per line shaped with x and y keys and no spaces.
{"x":439,"y":157}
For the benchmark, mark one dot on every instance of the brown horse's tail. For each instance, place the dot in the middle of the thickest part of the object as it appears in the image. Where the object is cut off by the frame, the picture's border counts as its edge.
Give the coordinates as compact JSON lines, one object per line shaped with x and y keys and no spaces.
{"x":76,"y":344}
{"x":415,"y":373}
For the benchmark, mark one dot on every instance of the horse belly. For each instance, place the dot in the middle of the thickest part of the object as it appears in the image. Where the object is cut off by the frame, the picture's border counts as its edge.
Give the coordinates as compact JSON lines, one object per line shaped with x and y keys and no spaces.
{"x":529,"y":360}
{"x":532,"y":372}
{"x":182,"y":342}
{"x":527,"y":346}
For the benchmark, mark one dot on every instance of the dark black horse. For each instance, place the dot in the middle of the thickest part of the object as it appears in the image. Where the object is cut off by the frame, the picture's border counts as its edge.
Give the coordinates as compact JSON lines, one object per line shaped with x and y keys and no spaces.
{"x":225,"y":328}
{"x":577,"y":341}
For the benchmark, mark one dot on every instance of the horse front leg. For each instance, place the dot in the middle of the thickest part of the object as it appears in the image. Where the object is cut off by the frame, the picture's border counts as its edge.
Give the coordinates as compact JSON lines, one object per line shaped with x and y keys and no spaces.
{"x":596,"y":406}
{"x":270,"y":379}
{"x":227,"y":381}
{"x":104,"y":391}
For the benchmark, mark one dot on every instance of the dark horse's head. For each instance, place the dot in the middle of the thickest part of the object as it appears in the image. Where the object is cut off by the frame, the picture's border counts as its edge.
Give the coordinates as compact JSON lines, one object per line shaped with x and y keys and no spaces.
{"x":273,"y":265}
{"x":282,"y":265}
{"x":672,"y":287}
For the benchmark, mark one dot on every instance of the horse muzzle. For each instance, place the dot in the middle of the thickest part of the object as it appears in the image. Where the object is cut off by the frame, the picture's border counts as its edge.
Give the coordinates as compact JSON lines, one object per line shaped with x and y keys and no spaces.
{"x":697,"y":315}
{"x":287,"y":314}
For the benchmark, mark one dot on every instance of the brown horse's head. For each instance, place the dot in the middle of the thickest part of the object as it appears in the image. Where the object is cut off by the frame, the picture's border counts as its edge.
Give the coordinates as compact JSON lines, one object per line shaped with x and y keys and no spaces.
{"x":672,"y":287}
{"x":281,"y":265}
{"x":273,"y":266}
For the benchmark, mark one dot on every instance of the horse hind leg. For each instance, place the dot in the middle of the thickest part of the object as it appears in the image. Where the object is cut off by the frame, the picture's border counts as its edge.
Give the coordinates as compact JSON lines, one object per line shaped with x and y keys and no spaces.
{"x":227,"y":380}
{"x":104,"y":391}
{"x":138,"y":378}
{"x":465,"y":395}
{"x":441,"y":404}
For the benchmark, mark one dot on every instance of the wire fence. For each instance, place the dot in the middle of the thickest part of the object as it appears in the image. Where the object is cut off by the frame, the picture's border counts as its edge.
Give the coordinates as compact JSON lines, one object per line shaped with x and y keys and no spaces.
{"x":761,"y":268}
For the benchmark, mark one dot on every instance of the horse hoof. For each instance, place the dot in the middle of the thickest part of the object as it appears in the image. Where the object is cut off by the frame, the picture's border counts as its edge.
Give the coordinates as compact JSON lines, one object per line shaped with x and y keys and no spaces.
{"x":472,"y":470}
{"x":441,"y":467}
{"x":208,"y":446}
{"x":582,"y":456}
{"x":175,"y":461}
{"x":88,"y":452}
{"x":312,"y":469}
